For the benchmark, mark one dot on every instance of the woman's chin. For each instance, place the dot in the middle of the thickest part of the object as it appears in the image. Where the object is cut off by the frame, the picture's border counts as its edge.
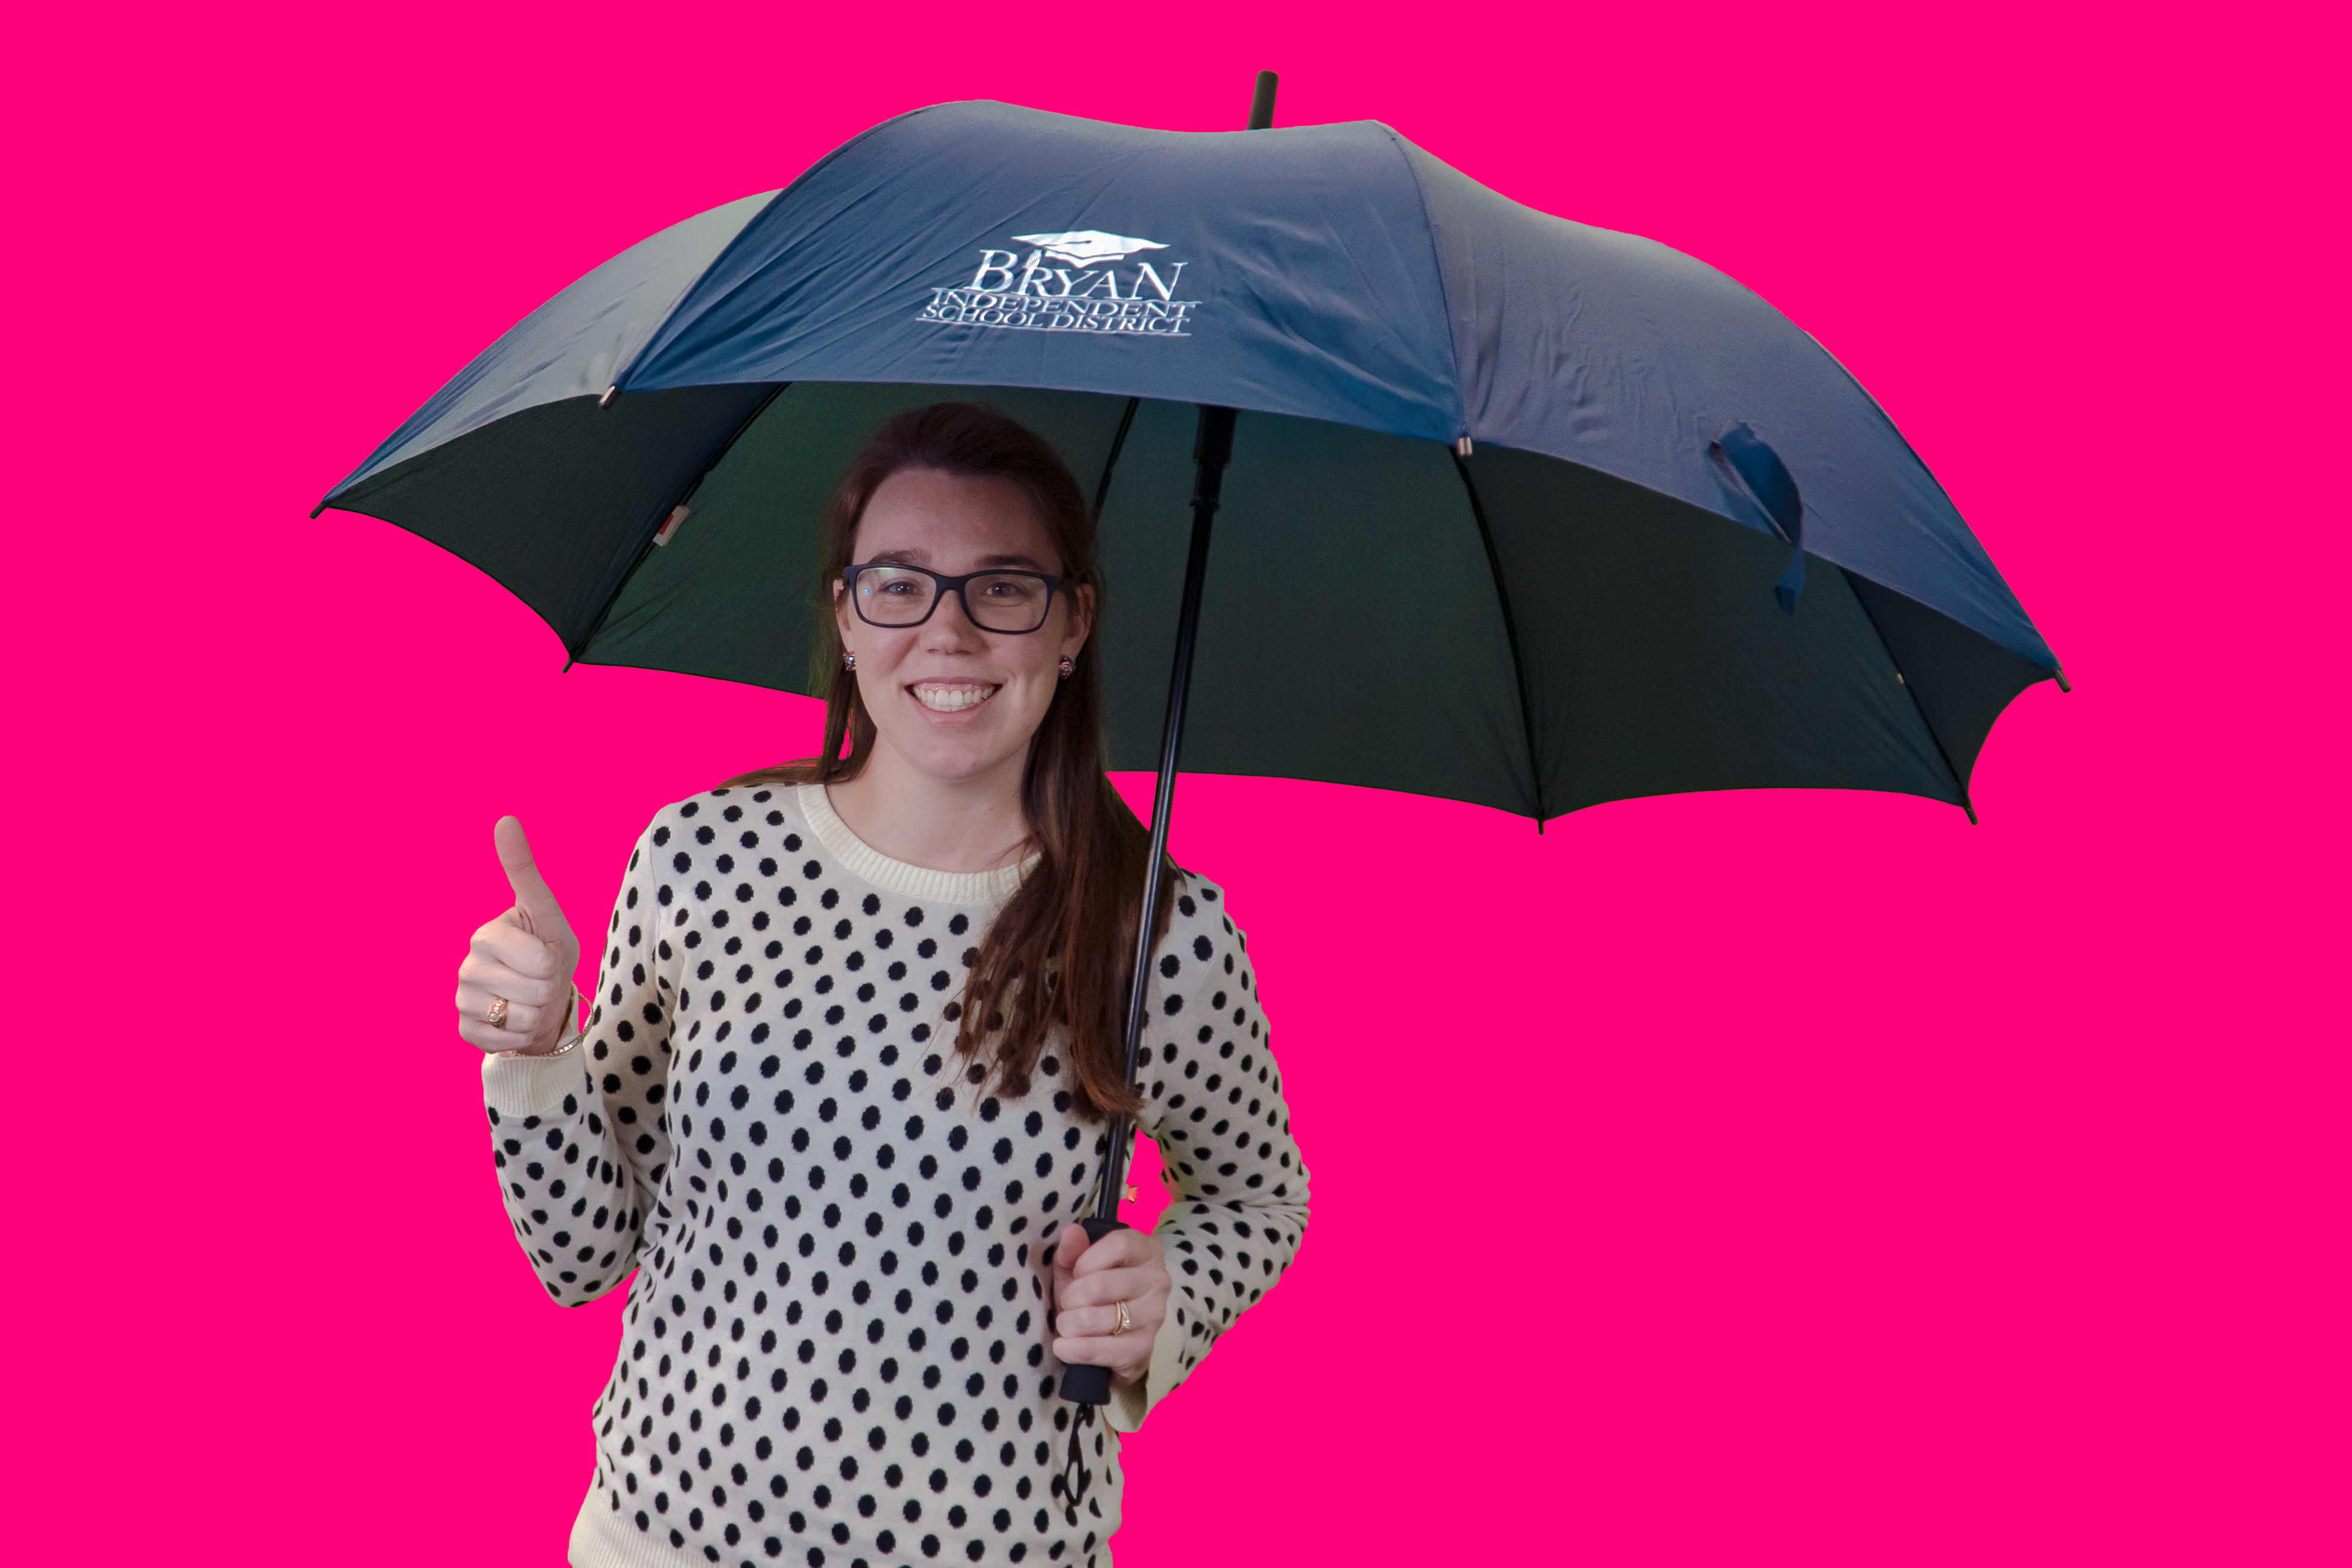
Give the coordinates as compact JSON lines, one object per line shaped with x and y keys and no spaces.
{"x":953,"y":757}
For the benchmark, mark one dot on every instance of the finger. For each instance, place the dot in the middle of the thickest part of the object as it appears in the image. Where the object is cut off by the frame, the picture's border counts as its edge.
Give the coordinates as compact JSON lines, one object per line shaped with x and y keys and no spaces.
{"x":540,"y":914}
{"x":1113,"y":1285}
{"x":1120,"y":1249}
{"x":529,"y":983}
{"x":482,"y":1037}
{"x":520,"y":950}
{"x":1098,"y":1323}
{"x":1068,"y":1247}
{"x":1069,"y":1243}
{"x":523,"y":1020}
{"x":478,"y":1033}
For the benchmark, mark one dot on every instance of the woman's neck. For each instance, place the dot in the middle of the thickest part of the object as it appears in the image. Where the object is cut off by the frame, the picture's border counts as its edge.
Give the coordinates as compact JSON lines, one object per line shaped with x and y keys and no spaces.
{"x":958,"y":826}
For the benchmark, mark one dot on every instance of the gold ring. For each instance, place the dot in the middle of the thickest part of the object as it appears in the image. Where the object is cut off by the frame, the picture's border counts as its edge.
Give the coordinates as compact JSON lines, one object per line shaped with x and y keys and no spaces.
{"x":1125,"y":1322}
{"x":498,"y":1012}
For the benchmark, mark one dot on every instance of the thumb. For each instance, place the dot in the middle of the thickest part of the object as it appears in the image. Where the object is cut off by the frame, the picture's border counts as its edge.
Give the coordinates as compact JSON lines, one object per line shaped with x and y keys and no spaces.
{"x":1069,"y":1247}
{"x":540,"y":914}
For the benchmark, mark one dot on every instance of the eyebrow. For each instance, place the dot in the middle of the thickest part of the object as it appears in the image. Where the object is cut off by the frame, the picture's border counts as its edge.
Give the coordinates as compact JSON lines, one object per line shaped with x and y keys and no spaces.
{"x":918,"y":558}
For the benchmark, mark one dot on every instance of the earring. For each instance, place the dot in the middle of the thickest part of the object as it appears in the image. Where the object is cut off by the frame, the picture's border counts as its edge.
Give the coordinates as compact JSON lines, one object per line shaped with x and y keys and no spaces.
{"x":849,"y":661}
{"x":1069,"y":666}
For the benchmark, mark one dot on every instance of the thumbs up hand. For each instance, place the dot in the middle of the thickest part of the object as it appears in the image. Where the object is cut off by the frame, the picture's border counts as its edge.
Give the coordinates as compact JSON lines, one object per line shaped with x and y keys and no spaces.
{"x":526,"y":956}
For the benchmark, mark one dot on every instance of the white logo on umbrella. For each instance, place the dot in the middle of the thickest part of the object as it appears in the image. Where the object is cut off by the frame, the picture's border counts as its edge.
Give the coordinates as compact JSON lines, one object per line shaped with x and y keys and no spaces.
{"x":1064,"y":286}
{"x":1088,"y":247}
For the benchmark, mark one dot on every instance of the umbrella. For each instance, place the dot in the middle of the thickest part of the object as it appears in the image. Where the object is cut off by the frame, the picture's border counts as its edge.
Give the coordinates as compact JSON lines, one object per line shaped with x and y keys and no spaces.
{"x":1522,"y":513}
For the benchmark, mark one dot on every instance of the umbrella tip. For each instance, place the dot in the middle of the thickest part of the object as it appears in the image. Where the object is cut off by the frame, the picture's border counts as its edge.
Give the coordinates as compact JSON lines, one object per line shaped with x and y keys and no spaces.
{"x":1261,"y":116}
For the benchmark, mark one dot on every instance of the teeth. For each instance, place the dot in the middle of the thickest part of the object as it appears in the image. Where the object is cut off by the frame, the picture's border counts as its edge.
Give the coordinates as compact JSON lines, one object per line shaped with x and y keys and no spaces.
{"x":953,"y":699}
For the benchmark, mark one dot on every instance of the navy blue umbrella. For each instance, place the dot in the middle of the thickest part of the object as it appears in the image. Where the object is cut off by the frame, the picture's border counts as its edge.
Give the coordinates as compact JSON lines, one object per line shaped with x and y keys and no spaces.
{"x":1523,"y":512}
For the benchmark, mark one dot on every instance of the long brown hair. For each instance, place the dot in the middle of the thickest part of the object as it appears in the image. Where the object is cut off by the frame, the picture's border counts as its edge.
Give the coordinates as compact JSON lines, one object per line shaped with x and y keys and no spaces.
{"x":1073,"y":920}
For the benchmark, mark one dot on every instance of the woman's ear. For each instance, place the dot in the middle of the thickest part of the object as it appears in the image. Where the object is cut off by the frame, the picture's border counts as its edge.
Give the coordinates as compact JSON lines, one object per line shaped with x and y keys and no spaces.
{"x":1081,"y":624}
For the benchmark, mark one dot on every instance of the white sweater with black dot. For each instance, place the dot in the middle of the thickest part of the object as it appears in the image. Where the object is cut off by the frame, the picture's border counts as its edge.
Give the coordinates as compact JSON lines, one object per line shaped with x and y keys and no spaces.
{"x":834,"y":1351}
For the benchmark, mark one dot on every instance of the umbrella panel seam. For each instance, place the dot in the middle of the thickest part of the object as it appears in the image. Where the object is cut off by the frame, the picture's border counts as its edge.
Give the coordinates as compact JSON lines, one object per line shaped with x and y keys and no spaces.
{"x":1510,"y":634}
{"x":1444,"y":293}
{"x":1942,"y":754}
{"x":646,"y":544}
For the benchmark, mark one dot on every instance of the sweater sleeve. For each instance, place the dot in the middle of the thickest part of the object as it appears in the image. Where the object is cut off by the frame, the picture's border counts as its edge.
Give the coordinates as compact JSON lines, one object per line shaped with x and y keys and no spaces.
{"x":1212,"y":1102}
{"x":582,"y":1140}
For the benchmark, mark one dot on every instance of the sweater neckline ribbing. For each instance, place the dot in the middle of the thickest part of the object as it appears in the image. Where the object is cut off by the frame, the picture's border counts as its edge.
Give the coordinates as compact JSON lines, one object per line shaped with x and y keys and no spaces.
{"x":863,"y":861}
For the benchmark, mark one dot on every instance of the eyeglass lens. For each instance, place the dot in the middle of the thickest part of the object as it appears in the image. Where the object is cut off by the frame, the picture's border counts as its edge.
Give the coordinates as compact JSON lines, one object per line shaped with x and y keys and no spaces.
{"x":998,"y":601}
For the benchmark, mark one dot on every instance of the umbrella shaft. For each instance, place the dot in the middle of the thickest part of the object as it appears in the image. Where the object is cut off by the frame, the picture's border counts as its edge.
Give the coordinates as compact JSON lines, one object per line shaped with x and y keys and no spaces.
{"x":1212,"y":448}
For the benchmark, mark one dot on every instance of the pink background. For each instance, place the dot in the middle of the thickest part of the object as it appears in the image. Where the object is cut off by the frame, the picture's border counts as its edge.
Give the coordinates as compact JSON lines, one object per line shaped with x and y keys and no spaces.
{"x":1819,"y":1180}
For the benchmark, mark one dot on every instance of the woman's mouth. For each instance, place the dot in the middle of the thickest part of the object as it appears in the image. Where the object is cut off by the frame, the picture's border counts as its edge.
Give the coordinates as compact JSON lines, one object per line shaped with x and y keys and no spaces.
{"x":950,"y":696}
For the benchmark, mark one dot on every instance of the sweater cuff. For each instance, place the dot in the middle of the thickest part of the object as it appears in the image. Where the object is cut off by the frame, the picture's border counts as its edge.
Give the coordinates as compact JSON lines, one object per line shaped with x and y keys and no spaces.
{"x":1130,"y":1405}
{"x":531,"y":1086}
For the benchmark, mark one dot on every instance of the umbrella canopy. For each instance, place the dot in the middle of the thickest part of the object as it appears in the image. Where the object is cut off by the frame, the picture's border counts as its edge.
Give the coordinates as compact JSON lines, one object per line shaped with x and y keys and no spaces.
{"x":1520,"y":511}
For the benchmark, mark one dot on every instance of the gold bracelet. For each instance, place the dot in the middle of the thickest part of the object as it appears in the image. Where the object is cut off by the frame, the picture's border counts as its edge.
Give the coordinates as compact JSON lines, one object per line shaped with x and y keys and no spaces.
{"x":572,"y":1044}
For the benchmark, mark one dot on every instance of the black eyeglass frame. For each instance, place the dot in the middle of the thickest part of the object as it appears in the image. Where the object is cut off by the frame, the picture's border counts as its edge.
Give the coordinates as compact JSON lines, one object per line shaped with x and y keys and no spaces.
{"x":945,"y":586}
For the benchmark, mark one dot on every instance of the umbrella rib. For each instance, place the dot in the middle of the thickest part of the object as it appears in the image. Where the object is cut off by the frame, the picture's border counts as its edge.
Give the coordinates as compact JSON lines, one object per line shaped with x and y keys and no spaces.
{"x":1510,"y":634}
{"x":646,"y":545}
{"x":1118,"y":445}
{"x":1904,"y":681}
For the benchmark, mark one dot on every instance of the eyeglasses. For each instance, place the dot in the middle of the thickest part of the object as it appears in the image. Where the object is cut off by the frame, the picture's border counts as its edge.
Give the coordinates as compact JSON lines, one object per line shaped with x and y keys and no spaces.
{"x":901,"y":596}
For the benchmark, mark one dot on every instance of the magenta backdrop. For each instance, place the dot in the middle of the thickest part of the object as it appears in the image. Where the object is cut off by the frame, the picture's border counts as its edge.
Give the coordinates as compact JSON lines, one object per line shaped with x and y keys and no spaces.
{"x":1830,"y":1183}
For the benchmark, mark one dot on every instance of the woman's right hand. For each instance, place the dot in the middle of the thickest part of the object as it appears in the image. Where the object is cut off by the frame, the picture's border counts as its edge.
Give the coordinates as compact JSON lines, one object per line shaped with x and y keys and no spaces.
{"x":526,"y":956}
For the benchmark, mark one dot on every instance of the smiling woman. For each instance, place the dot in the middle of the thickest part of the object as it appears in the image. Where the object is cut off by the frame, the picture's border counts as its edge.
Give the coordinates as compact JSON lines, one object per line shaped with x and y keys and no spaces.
{"x":845,"y":1182}
{"x":952,"y":745}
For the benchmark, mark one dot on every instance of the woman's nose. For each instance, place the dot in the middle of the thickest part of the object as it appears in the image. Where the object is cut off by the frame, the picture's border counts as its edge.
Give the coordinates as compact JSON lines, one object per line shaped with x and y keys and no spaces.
{"x":951,"y":625}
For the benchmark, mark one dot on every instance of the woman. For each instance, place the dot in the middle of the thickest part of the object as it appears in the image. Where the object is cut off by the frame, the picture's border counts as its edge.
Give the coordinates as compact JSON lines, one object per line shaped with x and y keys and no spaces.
{"x":843,"y":1084}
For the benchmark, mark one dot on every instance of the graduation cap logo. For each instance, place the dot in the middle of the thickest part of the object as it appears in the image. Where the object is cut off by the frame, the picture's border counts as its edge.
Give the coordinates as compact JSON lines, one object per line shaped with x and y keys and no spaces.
{"x":1088,"y":247}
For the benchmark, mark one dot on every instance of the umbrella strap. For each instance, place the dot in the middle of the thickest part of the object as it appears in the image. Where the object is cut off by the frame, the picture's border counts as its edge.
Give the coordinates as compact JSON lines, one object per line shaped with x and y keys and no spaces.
{"x":1758,"y":482}
{"x":1071,"y":1484}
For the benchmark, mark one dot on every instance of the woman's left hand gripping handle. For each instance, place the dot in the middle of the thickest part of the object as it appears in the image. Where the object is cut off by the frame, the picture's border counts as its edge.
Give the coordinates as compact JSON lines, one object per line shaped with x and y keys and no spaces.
{"x":1091,"y":1280}
{"x":526,"y":956}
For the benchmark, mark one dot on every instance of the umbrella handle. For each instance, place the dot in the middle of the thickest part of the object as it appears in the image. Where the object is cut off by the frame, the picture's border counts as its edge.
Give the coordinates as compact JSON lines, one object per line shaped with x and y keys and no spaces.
{"x":1212,"y":448}
{"x":1090,"y":1384}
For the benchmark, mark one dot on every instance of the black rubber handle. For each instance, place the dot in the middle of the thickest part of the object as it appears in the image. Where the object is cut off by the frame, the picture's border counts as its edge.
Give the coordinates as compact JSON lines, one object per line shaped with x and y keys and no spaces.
{"x":1090,"y":1384}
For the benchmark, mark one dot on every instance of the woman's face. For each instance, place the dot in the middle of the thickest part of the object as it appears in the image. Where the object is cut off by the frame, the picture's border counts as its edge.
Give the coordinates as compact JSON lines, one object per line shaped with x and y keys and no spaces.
{"x":953,"y":700}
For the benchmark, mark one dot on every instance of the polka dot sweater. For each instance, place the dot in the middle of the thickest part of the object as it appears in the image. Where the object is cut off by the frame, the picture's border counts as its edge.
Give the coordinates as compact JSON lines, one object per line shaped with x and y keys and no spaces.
{"x":834,"y":1351}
